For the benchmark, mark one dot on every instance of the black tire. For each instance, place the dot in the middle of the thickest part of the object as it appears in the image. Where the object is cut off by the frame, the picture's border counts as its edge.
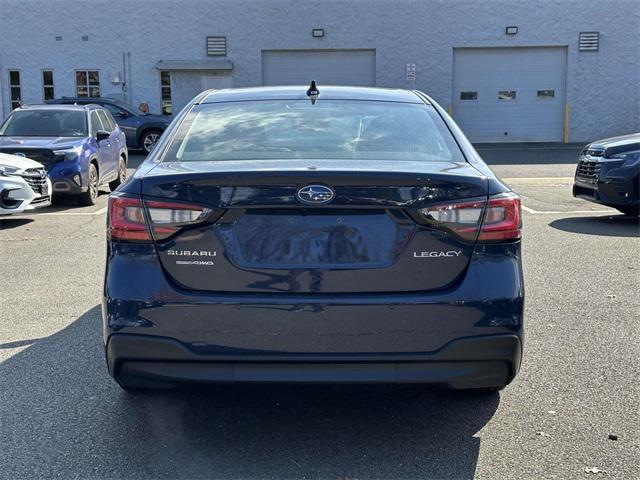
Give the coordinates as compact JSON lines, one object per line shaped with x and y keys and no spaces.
{"x":122,"y":174}
{"x":89,"y":197}
{"x":149,"y":139}
{"x":630,"y":211}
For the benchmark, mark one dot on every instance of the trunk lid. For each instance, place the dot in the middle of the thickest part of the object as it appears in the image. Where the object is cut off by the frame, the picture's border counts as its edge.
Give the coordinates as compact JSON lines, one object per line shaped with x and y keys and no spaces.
{"x":264,"y":239}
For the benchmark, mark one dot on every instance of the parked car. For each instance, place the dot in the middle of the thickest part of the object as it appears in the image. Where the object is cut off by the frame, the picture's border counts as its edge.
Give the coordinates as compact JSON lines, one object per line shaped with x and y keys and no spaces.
{"x":81,"y":147}
{"x":608,"y":173}
{"x":142,"y":129}
{"x":347,"y":235}
{"x":24,"y":184}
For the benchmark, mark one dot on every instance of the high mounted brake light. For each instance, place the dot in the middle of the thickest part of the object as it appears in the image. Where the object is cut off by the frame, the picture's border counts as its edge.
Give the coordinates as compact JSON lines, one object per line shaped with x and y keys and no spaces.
{"x":129,"y":218}
{"x":496,"y":219}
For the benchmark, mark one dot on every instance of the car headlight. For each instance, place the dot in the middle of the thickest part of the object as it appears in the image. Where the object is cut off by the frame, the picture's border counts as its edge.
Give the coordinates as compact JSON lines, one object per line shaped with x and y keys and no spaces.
{"x":9,"y":170}
{"x":70,"y":153}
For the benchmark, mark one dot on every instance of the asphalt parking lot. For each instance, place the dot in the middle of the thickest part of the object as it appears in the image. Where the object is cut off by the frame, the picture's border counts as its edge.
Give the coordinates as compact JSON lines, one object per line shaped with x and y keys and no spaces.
{"x":61,"y":415}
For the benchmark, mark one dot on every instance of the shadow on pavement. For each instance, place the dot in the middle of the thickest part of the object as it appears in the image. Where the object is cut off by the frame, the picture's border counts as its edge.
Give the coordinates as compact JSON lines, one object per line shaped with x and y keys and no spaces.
{"x":608,"y":225}
{"x":135,"y":159}
{"x":62,"y":416}
{"x":7,"y":223}
{"x":70,"y":202}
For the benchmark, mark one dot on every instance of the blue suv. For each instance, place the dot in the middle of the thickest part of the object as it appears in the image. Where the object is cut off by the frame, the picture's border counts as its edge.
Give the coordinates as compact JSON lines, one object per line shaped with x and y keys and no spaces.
{"x":142,"y":130}
{"x":81,"y":147}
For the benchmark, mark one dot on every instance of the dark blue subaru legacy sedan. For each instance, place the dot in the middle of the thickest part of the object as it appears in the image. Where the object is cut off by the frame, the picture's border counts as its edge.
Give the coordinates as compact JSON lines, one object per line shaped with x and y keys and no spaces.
{"x":293,"y":235}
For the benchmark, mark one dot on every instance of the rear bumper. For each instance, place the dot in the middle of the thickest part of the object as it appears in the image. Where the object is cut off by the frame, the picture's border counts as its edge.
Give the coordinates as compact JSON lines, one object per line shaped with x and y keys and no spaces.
{"x":475,"y":362}
{"x":155,"y":329}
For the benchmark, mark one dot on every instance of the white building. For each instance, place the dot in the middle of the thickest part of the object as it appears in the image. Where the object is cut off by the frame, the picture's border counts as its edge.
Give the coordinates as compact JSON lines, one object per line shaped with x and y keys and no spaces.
{"x":508,"y":70}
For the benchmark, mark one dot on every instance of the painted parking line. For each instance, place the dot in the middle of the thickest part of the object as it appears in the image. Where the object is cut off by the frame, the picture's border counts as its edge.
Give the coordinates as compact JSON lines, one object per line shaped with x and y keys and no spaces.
{"x":548,"y":182}
{"x":62,"y":214}
{"x":539,"y":181}
{"x":569,"y":212}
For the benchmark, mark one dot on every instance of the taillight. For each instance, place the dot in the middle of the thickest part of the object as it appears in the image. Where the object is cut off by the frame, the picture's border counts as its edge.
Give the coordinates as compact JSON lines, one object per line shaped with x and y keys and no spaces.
{"x":134,"y":220}
{"x":494,"y":220}
{"x":167,"y":218}
{"x":127,"y":220}
{"x":502,"y":219}
{"x":463,"y":218}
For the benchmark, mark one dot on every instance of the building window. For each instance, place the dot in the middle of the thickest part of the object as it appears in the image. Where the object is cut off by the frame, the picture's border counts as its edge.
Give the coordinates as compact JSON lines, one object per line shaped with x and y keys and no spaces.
{"x":546,"y":94}
{"x":48,"y":91}
{"x":87,"y":83}
{"x":16,"y":90}
{"x":507,"y":95}
{"x":165,"y":91}
{"x":468,"y":95}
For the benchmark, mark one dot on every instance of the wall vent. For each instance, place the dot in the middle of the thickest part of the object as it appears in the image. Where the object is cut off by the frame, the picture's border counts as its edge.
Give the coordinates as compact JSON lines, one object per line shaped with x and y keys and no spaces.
{"x":589,"y":41}
{"x":216,"y":46}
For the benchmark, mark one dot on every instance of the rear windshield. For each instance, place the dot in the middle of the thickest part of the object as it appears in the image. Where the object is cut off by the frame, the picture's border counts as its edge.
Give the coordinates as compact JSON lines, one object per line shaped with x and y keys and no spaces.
{"x":296,"y":129}
{"x":45,"y":123}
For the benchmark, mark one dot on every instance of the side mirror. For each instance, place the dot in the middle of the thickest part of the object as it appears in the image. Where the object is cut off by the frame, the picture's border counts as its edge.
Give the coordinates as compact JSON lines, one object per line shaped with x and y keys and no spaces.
{"x":102,"y":135}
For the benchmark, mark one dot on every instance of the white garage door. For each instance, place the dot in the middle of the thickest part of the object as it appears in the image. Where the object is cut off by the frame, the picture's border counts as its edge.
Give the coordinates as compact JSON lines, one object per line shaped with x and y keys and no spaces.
{"x":510,"y":94}
{"x":186,"y":84}
{"x":327,"y":67}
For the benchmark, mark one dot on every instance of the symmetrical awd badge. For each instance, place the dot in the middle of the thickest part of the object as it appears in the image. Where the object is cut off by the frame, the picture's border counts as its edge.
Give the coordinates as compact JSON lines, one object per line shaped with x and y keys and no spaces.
{"x":315,"y":194}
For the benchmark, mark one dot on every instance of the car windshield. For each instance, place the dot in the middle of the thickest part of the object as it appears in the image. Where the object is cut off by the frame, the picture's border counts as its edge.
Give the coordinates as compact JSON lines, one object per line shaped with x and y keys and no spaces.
{"x":45,"y":123}
{"x":328,"y":129}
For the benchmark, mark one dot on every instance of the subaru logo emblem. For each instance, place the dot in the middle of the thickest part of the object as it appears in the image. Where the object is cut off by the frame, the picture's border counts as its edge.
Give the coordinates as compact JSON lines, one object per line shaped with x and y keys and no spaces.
{"x":315,"y":194}
{"x":19,"y":154}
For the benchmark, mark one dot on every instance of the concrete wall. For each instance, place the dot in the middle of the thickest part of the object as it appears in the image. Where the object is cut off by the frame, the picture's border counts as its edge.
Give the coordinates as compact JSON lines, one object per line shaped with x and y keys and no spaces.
{"x":602,"y":87}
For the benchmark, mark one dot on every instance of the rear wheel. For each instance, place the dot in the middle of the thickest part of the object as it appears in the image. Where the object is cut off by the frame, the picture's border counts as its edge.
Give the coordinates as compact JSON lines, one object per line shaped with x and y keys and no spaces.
{"x":89,"y":197}
{"x":122,"y":174}
{"x":630,"y":211}
{"x":149,"y":140}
